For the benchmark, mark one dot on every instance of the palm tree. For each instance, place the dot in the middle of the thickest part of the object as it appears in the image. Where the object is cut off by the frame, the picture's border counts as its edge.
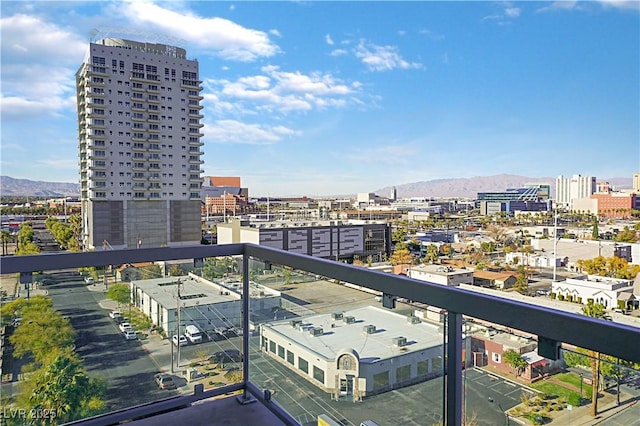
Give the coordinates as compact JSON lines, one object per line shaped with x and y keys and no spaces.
{"x":6,"y":238}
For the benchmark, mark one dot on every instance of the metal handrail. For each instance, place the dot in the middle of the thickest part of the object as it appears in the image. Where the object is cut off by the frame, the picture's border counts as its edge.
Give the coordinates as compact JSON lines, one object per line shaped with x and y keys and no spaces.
{"x":551,"y":325}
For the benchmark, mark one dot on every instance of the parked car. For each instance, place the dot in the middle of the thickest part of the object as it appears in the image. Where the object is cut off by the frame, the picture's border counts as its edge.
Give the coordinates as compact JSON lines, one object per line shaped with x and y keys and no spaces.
{"x":130,"y":334}
{"x":179,"y":340}
{"x":165,"y":381}
{"x":115,"y":314}
{"x":124,"y":325}
{"x":88,"y":280}
{"x":229,"y":355}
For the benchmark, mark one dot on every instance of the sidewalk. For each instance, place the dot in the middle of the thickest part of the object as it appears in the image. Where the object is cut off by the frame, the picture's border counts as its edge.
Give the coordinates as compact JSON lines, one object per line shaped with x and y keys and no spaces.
{"x":580,"y":416}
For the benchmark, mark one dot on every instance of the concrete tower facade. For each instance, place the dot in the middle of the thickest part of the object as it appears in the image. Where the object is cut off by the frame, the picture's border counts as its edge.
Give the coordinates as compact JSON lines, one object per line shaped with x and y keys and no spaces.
{"x":140,"y":145}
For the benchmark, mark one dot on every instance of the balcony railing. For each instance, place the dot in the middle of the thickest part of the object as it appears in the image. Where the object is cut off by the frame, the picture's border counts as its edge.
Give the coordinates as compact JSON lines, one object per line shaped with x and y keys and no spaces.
{"x":552,"y":328}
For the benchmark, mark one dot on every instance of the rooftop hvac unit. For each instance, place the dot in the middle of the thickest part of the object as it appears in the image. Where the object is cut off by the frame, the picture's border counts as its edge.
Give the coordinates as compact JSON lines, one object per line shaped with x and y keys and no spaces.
{"x":399,"y":341}
{"x":295,"y":323}
{"x":336,"y":315}
{"x":349,"y":319}
{"x":413,"y":320}
{"x":305,"y":327}
{"x":316,"y":331}
{"x":369,"y":329}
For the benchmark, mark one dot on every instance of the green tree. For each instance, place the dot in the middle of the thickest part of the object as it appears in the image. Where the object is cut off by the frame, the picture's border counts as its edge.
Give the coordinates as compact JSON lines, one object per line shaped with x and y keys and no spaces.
{"x":401,"y":255}
{"x":42,"y":333}
{"x":522,"y":282}
{"x":627,"y":235}
{"x":150,"y":271}
{"x":65,"y":388}
{"x":594,"y":310}
{"x":515,"y":360}
{"x":25,"y":241}
{"x":120,"y":293}
{"x":432,"y":254}
{"x":595,"y":234}
{"x":175,"y":271}
{"x":615,"y":267}
{"x":6,"y":239}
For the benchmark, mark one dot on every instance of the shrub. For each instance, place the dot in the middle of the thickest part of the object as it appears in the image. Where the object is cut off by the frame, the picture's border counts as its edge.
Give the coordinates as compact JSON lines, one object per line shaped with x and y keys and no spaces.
{"x":560,"y":297}
{"x":553,"y":296}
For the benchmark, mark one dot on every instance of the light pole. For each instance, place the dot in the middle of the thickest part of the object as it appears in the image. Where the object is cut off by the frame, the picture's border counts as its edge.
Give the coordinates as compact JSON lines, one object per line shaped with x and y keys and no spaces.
{"x":581,"y":381}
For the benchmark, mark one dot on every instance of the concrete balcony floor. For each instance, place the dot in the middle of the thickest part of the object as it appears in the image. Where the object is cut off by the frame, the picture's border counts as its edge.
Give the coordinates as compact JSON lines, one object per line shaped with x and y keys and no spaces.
{"x":220,"y":411}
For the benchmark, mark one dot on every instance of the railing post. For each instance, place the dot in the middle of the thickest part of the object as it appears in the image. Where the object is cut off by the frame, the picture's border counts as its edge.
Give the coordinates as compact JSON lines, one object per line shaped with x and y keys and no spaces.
{"x":454,"y":390}
{"x":246,"y":292}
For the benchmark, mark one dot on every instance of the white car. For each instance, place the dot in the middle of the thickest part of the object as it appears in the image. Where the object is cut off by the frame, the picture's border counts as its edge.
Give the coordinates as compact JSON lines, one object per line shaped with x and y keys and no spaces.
{"x":115,"y":314}
{"x":130,"y":334}
{"x":179,"y":340}
{"x":124,"y":325}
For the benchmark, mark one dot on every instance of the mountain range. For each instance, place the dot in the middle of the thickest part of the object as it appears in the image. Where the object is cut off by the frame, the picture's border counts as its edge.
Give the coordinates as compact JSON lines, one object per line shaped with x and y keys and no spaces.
{"x":437,"y":188}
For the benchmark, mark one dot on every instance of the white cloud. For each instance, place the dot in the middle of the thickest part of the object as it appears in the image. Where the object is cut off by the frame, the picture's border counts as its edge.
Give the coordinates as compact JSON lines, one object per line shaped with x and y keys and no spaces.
{"x":431,"y":34}
{"x":35,"y":81}
{"x":233,"y":131}
{"x":217,"y":36}
{"x":278,"y":91}
{"x":26,"y":37}
{"x":328,"y":40}
{"x":339,"y":52}
{"x":382,"y":58}
{"x":574,"y":5}
{"x":512,"y":12}
{"x":508,"y":13}
{"x":621,"y":4}
{"x":61,"y":163}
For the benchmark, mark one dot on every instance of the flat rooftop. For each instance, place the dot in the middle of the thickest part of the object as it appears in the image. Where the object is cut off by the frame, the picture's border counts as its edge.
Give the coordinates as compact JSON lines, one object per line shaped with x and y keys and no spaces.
{"x":370,"y":347}
{"x":194,"y":291}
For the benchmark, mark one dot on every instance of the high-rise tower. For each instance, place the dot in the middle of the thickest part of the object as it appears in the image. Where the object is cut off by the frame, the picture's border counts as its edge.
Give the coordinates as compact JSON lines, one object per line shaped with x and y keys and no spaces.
{"x":140,"y":152}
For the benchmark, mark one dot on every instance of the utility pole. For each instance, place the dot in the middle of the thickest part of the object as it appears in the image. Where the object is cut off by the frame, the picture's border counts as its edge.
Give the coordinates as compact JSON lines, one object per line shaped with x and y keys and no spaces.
{"x":555,"y":245}
{"x":178,"y":325}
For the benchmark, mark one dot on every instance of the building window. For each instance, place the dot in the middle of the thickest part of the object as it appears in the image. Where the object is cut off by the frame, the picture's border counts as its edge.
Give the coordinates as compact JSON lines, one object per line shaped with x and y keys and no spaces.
{"x":403,"y":373}
{"x":495,"y":357}
{"x":436,"y":363}
{"x":423,"y":368}
{"x":303,"y":365}
{"x":290,"y":358}
{"x":381,"y":380}
{"x":318,"y":374}
{"x":280,"y":351}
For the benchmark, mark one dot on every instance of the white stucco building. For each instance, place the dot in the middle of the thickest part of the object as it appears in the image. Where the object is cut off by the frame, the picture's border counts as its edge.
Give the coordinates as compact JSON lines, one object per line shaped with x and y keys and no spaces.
{"x":356,"y":353}
{"x":441,"y":274}
{"x":603,"y":290}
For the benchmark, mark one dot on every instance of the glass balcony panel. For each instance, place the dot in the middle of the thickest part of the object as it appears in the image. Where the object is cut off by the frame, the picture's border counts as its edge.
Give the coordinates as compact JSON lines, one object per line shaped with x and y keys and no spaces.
{"x":327,"y":347}
{"x":279,"y":297}
{"x":72,"y":312}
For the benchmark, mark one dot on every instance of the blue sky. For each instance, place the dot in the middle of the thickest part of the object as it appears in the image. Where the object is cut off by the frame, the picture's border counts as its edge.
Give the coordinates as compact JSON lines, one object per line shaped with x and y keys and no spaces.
{"x":318,"y":98}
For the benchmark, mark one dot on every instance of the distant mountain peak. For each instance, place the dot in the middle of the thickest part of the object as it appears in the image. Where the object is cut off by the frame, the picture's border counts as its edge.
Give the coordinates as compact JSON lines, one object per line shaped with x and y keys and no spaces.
{"x":33,"y":188}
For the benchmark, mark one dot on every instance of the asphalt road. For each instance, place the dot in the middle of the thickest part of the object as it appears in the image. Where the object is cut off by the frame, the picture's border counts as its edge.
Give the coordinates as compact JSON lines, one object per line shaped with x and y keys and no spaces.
{"x":124,"y":364}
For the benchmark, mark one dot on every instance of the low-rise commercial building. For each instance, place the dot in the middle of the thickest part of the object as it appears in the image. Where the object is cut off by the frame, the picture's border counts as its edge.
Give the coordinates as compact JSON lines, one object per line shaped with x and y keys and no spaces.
{"x":334,"y":240}
{"x":609,"y":292}
{"x":441,"y":274}
{"x":357,"y":353}
{"x":205,"y":304}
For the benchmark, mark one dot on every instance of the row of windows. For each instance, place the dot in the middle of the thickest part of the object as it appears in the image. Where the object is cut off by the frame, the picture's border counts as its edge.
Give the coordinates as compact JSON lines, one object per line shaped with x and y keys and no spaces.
{"x":303,"y":364}
{"x":102,"y":194}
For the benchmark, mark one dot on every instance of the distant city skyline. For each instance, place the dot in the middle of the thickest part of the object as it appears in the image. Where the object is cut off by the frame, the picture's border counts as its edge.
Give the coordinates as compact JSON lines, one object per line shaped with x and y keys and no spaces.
{"x":305,"y":98}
